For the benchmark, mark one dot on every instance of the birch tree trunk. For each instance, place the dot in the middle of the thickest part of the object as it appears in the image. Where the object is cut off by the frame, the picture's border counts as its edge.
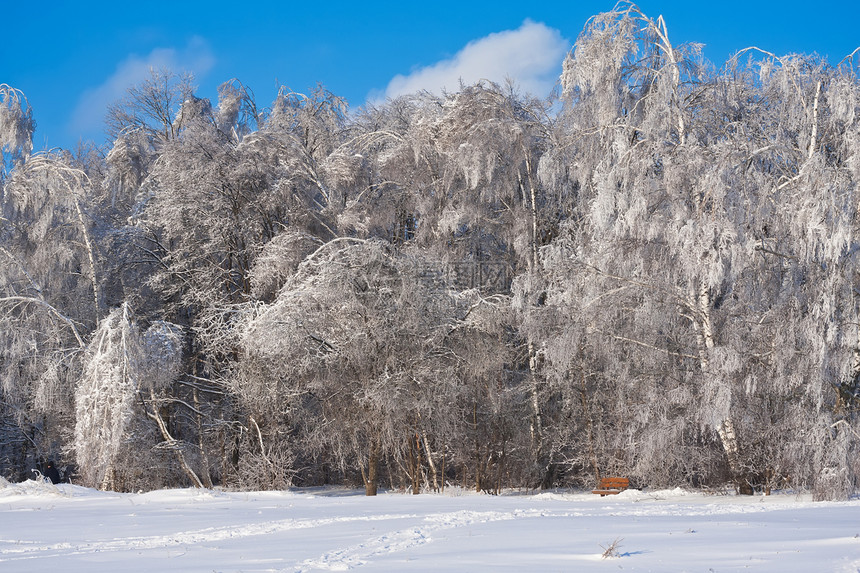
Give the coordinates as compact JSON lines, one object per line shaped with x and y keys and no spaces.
{"x":534,"y":384}
{"x":726,"y":428}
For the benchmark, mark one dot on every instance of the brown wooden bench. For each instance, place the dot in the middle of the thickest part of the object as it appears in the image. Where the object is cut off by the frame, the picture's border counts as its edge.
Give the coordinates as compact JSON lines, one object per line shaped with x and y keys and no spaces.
{"x":611,"y":486}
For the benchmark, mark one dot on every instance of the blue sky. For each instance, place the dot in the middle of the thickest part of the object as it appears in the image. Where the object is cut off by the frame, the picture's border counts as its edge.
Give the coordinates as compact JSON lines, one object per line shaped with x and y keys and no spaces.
{"x":73,"y":58}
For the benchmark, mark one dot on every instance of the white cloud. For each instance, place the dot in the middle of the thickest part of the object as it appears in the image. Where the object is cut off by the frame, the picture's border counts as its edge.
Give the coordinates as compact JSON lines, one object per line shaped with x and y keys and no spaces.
{"x":195,"y":57}
{"x":530,"y":55}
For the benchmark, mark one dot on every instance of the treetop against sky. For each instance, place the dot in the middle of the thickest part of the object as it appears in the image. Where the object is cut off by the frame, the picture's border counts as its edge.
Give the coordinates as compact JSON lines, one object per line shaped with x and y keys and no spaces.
{"x":73,"y":59}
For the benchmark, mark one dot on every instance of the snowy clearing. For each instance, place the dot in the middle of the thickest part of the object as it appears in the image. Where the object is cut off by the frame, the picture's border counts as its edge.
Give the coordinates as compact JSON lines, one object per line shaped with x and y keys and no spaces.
{"x":70,"y":528}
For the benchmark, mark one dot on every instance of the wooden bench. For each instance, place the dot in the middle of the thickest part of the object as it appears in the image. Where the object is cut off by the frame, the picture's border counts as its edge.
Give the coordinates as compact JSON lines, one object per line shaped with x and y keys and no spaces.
{"x":611,"y":486}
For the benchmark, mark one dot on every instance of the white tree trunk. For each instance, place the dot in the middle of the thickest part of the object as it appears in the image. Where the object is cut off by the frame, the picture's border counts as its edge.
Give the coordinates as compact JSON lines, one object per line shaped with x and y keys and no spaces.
{"x":726,"y":429}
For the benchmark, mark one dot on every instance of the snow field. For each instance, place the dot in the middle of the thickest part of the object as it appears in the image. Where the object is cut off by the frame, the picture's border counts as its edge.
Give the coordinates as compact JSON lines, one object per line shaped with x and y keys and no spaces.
{"x":74,"y":529}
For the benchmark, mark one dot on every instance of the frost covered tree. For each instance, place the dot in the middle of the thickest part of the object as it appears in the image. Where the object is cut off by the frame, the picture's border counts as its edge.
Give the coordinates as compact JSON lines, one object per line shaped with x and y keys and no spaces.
{"x":105,"y":398}
{"x":494,"y":140}
{"x":120,"y":402}
{"x":625,"y":132}
{"x":211,"y":201}
{"x":16,"y":127}
{"x":347,"y":357}
{"x":151,"y":106}
{"x":49,"y":296}
{"x":237,"y":112}
{"x":454,"y":180}
{"x":683,"y":299}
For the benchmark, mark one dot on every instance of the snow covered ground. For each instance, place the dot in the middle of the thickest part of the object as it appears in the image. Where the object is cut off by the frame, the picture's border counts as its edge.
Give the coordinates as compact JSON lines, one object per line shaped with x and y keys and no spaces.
{"x":73,"y":529}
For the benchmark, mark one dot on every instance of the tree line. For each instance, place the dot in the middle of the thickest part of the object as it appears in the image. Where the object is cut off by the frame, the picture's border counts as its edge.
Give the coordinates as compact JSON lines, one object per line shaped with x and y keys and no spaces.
{"x":651,"y":273}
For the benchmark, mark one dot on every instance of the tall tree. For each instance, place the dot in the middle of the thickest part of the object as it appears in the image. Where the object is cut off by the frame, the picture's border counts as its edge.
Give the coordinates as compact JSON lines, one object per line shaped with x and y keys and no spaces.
{"x":49,"y":296}
{"x":151,"y":107}
{"x":681,"y":197}
{"x":350,"y":341}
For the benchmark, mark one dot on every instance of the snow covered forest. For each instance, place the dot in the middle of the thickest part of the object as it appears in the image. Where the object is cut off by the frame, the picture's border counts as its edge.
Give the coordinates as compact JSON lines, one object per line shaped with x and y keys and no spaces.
{"x":652,"y":273}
